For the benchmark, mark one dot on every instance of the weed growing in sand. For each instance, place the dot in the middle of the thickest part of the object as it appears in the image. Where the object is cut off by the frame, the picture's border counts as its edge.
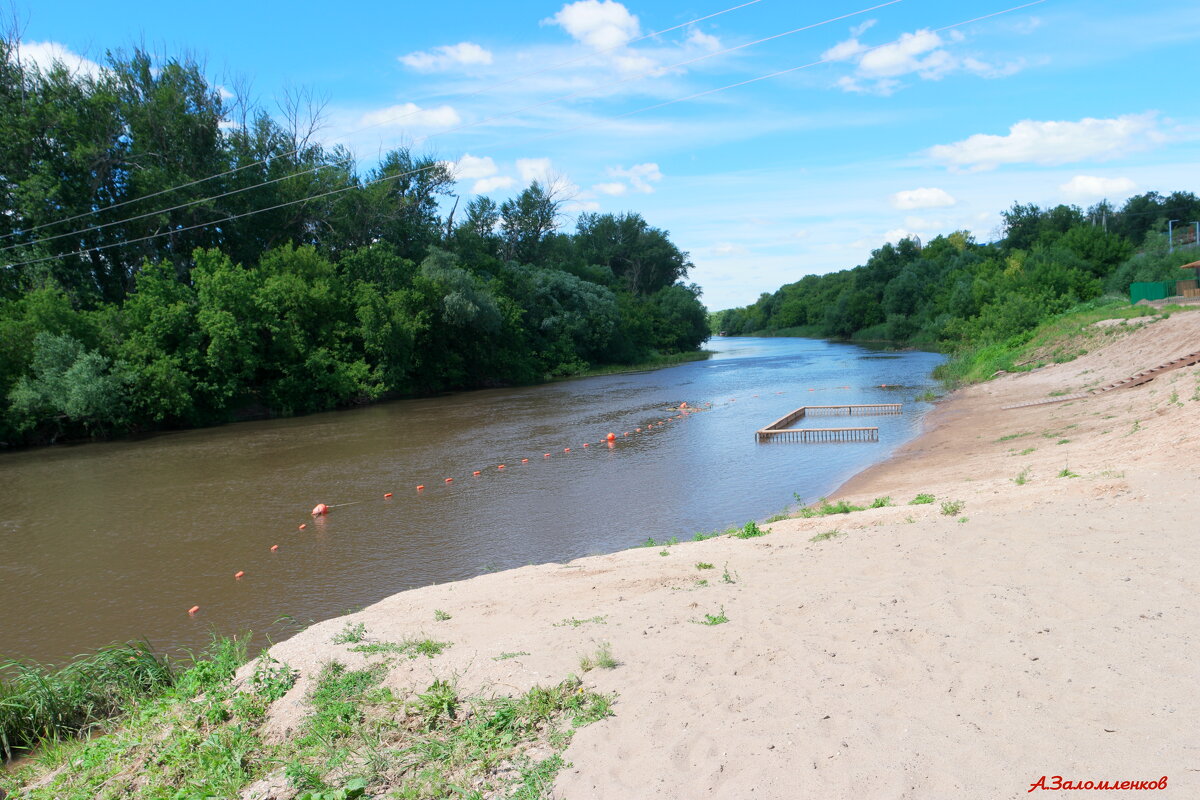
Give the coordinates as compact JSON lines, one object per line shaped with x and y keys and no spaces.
{"x":909,"y":520}
{"x":825,"y":508}
{"x":350,"y":634}
{"x":749,"y":531}
{"x":1022,"y":477}
{"x":826,"y":536}
{"x":1066,"y":473}
{"x":440,"y":616}
{"x":1063,"y":441}
{"x":704,"y":565}
{"x":1026,"y":451}
{"x":700,"y":537}
{"x":664,"y":552}
{"x":881,"y":502}
{"x":1174,"y":399}
{"x":1137,"y":426}
{"x":1012,"y":436}
{"x":921,"y":500}
{"x":775,"y":518}
{"x":727,"y":576}
{"x":952,"y":507}
{"x":702,"y":582}
{"x":927,"y":396}
{"x":409,"y":647}
{"x":506,"y":656}
{"x":713,"y":619}
{"x":964,"y":519}
{"x":571,"y":622}
{"x":601,"y":659}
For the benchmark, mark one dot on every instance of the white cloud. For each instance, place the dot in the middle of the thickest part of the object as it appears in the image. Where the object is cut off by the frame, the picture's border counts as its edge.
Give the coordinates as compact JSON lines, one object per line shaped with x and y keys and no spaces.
{"x":615,"y":188}
{"x":906,"y":54}
{"x":469,"y":167}
{"x":1082,"y":188}
{"x":843,"y":50}
{"x":897,"y":235}
{"x":702,"y":39}
{"x":1051,"y":142}
{"x":411,"y":115}
{"x":486,"y":185}
{"x":859,"y":30}
{"x":640,"y":176}
{"x":922,"y":53}
{"x":44,"y":54}
{"x":728,"y":249}
{"x":448,"y":56}
{"x":601,"y":24}
{"x":534,"y":169}
{"x":924,"y":197}
{"x":575,"y":206}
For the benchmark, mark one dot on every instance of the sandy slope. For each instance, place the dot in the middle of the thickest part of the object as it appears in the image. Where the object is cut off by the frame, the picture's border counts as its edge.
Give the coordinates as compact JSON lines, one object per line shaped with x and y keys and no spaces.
{"x":1049,"y":628}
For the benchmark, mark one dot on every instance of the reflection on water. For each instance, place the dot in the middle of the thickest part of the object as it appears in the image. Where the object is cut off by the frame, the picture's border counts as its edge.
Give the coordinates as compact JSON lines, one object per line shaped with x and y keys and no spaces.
{"x":115,"y":541}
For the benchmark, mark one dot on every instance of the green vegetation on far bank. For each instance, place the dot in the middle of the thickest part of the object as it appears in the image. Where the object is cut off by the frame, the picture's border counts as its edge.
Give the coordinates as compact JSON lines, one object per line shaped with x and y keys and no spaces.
{"x":195,"y":734}
{"x":991,"y":305}
{"x":360,"y":284}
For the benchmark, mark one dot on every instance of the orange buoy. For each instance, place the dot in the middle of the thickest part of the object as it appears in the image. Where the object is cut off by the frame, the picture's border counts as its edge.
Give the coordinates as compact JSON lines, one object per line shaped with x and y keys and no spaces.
{"x":476,"y":472}
{"x":611,"y":436}
{"x":585,"y":444}
{"x":683,"y":404}
{"x":566,"y":449}
{"x":545,"y":455}
{"x":524,"y":460}
{"x":239,"y":574}
{"x":274,"y":547}
{"x":499,"y":466}
{"x":319,"y":509}
{"x":302,"y":526}
{"x":449,"y":480}
{"x":420,"y":486}
{"x":639,"y":430}
{"x":626,"y":433}
{"x":193,"y":609}
{"x":387,"y":494}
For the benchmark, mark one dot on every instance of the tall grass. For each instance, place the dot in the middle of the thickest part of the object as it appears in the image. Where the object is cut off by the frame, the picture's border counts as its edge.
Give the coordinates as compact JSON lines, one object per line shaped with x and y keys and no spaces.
{"x":39,"y":702}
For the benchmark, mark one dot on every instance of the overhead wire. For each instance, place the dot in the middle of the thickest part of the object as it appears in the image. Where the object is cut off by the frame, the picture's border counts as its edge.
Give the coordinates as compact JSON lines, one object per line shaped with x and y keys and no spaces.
{"x":457,"y":128}
{"x":389,"y":120}
{"x":560,"y":132}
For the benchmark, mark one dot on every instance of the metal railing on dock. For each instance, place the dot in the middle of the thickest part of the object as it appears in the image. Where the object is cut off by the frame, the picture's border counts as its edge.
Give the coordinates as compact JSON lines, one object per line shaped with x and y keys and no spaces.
{"x":780,"y":429}
{"x":820,"y":435}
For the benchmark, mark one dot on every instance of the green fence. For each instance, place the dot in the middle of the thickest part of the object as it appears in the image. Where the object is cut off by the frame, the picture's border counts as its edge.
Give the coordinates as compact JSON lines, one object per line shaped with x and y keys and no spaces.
{"x":1151,"y":290}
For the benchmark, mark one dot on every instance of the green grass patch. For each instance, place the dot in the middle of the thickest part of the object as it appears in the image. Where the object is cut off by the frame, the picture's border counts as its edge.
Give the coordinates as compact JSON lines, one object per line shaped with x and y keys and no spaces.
{"x":749,"y":531}
{"x":922,"y":500}
{"x":601,"y":659}
{"x":409,"y":647}
{"x":350,"y":634}
{"x":572,"y":622}
{"x":826,"y":536}
{"x":704,"y":565}
{"x":506,"y":656}
{"x":713,"y":619}
{"x":952,"y":507}
{"x":440,"y":616}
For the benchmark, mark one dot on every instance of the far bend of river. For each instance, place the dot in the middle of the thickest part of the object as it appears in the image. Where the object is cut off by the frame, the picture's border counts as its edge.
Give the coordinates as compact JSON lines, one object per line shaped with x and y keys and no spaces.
{"x":116,"y":541}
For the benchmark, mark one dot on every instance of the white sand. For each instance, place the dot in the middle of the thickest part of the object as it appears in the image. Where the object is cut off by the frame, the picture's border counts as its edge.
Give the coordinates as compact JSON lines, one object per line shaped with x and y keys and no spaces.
{"x":1054,"y":632}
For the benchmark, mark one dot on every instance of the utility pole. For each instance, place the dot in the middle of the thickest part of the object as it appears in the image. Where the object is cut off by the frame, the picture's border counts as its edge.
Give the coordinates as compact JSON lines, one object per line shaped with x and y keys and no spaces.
{"x":1171,"y":235}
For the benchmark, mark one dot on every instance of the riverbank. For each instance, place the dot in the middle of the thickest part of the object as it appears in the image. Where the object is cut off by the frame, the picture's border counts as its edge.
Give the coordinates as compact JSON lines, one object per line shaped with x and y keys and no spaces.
{"x":1034,"y":618}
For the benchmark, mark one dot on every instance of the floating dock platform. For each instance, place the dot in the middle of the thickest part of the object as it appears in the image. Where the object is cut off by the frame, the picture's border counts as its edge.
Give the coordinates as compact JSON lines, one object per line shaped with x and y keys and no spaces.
{"x":781,"y":430}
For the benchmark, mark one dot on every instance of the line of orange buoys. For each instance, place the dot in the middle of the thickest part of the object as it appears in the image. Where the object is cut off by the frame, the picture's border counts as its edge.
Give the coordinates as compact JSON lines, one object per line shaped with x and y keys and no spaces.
{"x":322,"y":509}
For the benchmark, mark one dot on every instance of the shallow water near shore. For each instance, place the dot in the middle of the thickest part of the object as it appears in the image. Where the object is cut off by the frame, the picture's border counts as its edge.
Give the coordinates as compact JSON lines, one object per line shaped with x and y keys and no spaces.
{"x":116,"y":541}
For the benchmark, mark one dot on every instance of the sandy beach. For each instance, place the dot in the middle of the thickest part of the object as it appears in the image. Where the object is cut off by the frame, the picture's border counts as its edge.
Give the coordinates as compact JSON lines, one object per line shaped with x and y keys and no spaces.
{"x":1046,"y":626}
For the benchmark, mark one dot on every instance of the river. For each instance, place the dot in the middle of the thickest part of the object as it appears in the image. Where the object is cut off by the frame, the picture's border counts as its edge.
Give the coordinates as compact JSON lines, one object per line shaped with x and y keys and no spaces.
{"x":116,"y":541}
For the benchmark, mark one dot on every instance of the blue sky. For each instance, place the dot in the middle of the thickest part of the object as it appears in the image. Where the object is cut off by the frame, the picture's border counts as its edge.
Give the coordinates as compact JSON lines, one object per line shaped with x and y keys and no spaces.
{"x":901,"y":125}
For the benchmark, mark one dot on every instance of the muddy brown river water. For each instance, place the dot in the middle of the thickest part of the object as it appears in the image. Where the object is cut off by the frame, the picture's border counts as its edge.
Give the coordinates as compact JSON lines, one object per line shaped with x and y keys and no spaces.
{"x":116,"y":541}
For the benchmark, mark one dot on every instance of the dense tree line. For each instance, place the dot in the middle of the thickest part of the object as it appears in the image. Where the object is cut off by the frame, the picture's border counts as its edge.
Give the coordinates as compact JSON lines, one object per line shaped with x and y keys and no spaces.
{"x":956,"y":292}
{"x":373,"y":291}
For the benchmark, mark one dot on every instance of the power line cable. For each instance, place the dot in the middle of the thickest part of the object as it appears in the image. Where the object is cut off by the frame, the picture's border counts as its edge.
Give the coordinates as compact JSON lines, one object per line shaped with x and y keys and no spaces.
{"x":646,"y":73}
{"x":552,"y":133}
{"x":475,"y":93}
